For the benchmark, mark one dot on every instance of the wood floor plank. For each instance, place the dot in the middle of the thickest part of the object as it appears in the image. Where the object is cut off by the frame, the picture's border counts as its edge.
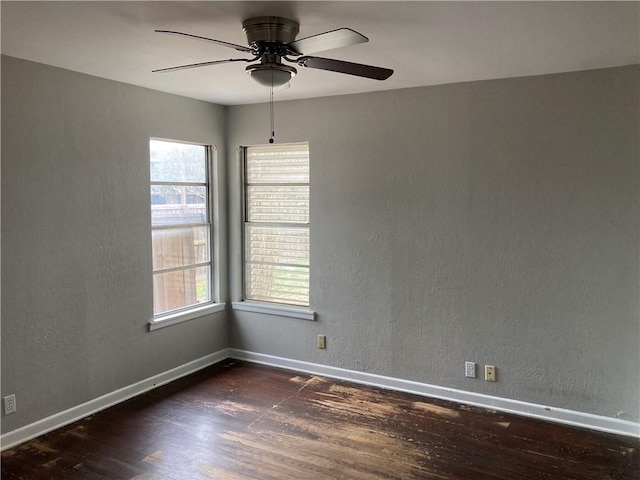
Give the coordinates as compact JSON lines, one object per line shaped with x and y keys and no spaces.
{"x":241,"y":421}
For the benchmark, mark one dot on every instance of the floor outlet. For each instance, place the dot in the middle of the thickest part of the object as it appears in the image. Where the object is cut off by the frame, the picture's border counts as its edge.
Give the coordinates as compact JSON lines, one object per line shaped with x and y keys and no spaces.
{"x":9,"y":404}
{"x":322,"y":341}
{"x":470,"y":369}
{"x":490,"y":373}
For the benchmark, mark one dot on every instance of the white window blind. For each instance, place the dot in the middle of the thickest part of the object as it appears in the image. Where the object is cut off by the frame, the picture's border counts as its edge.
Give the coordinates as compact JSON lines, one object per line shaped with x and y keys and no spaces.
{"x":276,"y":231}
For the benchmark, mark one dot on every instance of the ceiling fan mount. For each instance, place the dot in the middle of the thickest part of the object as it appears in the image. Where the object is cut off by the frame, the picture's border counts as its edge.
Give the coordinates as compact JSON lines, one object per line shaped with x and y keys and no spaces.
{"x":273,"y":39}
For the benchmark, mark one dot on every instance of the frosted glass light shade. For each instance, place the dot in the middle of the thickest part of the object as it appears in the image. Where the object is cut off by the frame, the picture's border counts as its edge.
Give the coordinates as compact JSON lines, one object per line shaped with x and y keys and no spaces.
{"x":271,"y":74}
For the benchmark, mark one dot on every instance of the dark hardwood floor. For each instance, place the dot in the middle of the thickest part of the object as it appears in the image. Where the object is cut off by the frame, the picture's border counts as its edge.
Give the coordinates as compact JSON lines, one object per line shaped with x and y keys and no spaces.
{"x":237,"y":420}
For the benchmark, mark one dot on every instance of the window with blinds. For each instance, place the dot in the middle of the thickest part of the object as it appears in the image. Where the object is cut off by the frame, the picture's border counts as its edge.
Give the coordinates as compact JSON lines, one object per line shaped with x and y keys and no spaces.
{"x":276,"y":227}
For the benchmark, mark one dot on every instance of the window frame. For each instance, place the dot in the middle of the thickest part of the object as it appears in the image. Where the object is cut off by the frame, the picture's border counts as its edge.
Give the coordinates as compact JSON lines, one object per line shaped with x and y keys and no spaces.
{"x":258,"y":306}
{"x":213,"y":305}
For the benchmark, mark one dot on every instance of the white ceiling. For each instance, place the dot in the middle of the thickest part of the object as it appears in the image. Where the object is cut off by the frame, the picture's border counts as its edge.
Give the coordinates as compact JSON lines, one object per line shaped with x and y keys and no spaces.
{"x":426,"y":43}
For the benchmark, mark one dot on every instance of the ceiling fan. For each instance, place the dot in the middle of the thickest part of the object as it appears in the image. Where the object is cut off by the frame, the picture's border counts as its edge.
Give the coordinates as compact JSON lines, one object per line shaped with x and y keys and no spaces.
{"x":273,"y":39}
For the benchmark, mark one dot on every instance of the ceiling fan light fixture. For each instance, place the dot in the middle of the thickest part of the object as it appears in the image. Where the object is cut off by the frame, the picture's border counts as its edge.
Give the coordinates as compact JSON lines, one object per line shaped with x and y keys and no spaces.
{"x":271,"y":74}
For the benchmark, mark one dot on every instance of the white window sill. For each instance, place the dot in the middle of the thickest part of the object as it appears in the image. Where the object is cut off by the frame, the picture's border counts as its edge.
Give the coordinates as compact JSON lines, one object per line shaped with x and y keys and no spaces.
{"x":275,"y":309}
{"x":185,"y":315}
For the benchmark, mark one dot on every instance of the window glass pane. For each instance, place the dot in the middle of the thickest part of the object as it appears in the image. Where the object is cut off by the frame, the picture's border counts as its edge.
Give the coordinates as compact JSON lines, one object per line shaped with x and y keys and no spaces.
{"x":180,"y":289}
{"x":276,"y":283}
{"x":177,"y":162}
{"x":283,"y":164}
{"x":177,"y":247}
{"x":288,"y":204}
{"x":288,"y":246}
{"x":178,"y":204}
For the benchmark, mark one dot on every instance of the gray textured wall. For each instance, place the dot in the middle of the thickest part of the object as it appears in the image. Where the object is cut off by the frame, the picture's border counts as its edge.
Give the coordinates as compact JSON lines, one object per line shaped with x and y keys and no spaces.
{"x":76,"y":237}
{"x":492,"y":221}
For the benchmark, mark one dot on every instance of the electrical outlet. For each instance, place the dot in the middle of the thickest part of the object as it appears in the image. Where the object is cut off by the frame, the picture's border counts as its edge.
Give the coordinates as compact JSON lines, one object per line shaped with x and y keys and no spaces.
{"x":490,"y":373}
{"x":470,"y":369}
{"x":322,"y":341}
{"x":9,"y":404}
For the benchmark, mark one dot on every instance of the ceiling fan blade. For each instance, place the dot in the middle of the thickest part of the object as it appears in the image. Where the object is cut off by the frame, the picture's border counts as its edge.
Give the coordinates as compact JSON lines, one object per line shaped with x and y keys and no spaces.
{"x":342,"y":37}
{"x":340,"y":66}
{"x":240,"y":48}
{"x":202,"y":64}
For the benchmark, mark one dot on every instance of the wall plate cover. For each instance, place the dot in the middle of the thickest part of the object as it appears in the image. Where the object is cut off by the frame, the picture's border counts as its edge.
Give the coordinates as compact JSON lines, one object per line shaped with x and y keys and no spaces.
{"x":490,"y":373}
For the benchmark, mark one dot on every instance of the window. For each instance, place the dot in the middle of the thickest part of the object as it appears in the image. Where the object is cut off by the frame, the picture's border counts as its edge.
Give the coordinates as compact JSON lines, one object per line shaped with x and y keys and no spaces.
{"x":276,"y":224}
{"x":180,"y":225}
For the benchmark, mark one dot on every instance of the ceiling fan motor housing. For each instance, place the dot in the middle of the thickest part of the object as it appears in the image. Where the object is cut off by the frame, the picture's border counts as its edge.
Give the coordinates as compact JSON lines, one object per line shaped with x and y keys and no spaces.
{"x":270,"y":29}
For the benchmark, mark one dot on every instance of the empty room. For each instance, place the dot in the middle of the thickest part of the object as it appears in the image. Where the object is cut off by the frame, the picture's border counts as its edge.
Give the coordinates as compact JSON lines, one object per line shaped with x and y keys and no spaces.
{"x":320,"y":240}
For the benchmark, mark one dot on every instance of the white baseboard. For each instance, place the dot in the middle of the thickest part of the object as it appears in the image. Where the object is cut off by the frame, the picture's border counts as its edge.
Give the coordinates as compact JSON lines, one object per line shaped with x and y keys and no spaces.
{"x":78,"y":412}
{"x":558,"y":415}
{"x":543,"y":412}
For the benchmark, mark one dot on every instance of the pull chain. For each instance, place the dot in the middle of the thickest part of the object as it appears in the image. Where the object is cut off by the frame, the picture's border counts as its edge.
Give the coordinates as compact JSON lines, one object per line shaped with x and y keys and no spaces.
{"x":273,"y":128}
